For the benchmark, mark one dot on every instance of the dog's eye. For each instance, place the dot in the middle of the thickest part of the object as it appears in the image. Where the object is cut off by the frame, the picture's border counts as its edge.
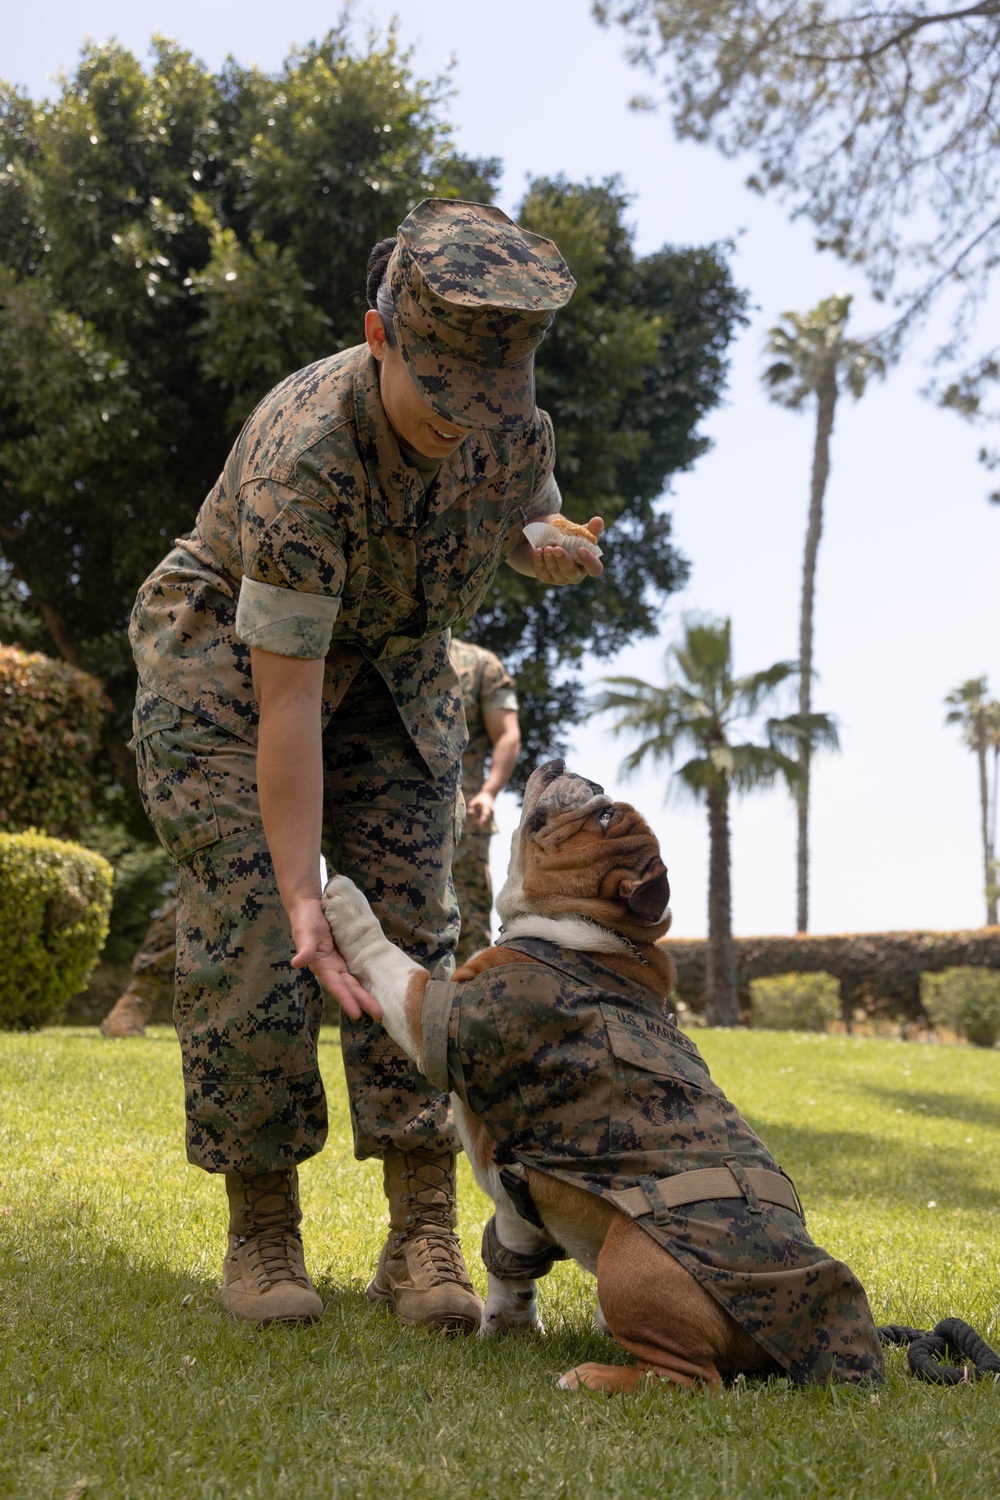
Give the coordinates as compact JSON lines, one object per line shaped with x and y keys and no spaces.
{"x":606,"y":817}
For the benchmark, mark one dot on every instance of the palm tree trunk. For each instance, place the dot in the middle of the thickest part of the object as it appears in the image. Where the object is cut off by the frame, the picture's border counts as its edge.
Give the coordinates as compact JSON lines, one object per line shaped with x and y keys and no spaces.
{"x":984,"y":805}
{"x":826,"y":392}
{"x":995,"y":871}
{"x":721,"y":991}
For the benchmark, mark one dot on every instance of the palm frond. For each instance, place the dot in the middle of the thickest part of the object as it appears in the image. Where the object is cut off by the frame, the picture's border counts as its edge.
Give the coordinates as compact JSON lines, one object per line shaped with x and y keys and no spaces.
{"x":752,"y":690}
{"x":796,"y":732}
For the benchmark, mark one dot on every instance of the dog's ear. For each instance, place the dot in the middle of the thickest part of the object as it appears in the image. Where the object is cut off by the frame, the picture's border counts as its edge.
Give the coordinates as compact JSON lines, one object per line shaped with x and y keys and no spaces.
{"x":648,"y":898}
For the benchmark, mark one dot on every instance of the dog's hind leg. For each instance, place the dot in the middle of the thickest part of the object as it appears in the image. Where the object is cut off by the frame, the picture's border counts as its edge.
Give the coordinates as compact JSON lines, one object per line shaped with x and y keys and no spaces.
{"x":656,"y":1310}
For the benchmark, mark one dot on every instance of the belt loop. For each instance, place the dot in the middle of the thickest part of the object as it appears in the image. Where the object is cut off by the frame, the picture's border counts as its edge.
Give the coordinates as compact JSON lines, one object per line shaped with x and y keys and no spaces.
{"x":743,"y":1183}
{"x":661,"y":1210}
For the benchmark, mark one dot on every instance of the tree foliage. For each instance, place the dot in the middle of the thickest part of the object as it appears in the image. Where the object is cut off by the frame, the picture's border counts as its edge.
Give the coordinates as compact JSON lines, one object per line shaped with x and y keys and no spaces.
{"x":175,"y":241}
{"x":51,"y":717}
{"x":880,"y":124}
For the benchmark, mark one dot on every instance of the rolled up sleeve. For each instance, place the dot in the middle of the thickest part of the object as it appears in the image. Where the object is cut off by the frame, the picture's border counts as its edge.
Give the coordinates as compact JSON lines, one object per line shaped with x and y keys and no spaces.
{"x":285,"y":620}
{"x":437,"y":1021}
{"x":293,"y":571}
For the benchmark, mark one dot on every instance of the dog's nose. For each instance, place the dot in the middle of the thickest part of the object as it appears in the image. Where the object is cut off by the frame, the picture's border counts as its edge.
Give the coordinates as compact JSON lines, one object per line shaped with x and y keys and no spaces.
{"x":551,"y":769}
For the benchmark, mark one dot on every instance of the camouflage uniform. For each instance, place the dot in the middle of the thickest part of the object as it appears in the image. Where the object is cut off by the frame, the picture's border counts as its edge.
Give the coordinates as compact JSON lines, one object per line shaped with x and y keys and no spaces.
{"x":487,"y":687}
{"x":318,"y":541}
{"x":584,"y":1078}
{"x":156,"y":952}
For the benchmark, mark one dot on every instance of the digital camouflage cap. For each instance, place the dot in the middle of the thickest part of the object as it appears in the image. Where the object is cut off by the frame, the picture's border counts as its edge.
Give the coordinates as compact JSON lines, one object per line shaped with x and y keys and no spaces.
{"x":472,"y":296}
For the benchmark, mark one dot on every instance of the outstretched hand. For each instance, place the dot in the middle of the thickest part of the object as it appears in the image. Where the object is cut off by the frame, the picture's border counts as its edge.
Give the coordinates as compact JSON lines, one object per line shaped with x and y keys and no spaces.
{"x":316,"y":950}
{"x":556,"y":566}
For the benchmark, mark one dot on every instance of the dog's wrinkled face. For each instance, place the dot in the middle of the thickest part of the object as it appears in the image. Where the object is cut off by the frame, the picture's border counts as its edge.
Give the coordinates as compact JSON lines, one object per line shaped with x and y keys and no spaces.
{"x":577,"y":851}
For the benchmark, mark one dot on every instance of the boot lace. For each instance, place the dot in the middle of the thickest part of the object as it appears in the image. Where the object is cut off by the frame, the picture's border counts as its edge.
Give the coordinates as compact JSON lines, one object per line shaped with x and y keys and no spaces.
{"x":272,"y":1217}
{"x":430,"y":1216}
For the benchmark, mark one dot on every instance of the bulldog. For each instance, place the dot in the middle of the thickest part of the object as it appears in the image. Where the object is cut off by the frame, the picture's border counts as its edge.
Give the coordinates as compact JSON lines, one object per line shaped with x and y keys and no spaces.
{"x":593,"y":1124}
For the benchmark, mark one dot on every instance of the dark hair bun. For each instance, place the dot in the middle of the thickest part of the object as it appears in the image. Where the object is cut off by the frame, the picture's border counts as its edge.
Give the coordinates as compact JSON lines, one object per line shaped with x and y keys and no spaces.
{"x":377,"y":262}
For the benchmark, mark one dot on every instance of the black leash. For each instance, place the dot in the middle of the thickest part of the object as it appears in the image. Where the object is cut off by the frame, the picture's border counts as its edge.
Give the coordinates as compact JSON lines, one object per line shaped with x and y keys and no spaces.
{"x":952,"y":1337}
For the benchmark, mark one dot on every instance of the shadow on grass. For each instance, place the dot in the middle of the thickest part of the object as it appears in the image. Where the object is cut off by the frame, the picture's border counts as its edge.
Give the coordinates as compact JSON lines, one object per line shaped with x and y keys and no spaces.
{"x":894,"y":1173}
{"x":941,"y":1106}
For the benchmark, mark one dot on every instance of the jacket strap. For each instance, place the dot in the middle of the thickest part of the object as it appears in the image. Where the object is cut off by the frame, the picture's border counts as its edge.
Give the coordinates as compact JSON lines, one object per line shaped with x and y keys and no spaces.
{"x":667,"y":1193}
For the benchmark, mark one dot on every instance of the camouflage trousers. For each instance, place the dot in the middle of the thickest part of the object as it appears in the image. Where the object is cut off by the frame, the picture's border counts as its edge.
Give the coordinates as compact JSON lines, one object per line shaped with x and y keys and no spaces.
{"x":470,"y":872}
{"x":157,"y":954}
{"x":247,"y":1022}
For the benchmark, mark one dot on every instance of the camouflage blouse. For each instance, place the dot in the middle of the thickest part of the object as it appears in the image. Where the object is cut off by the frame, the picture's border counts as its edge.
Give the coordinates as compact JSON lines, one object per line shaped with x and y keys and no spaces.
{"x":486,"y":687}
{"x":318,"y":540}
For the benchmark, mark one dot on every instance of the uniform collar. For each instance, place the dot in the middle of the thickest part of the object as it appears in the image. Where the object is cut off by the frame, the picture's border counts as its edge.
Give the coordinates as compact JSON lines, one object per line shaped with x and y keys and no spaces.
{"x":397,"y":489}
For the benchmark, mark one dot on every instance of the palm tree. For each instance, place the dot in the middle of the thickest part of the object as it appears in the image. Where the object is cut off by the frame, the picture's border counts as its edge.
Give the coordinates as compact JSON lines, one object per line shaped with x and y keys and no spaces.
{"x":701,"y":708}
{"x":991,"y":713}
{"x":980,"y":721}
{"x":812,"y":357}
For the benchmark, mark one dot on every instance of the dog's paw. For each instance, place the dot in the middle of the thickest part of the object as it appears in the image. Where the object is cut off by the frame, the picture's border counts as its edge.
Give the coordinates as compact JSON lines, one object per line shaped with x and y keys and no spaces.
{"x":341,"y":894}
{"x":351,"y":919}
{"x":511,"y":1308}
{"x":610,"y":1379}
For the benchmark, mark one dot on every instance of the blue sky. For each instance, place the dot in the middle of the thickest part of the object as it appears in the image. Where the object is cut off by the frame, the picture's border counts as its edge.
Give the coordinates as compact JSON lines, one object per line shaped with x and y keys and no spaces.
{"x":907,"y":585}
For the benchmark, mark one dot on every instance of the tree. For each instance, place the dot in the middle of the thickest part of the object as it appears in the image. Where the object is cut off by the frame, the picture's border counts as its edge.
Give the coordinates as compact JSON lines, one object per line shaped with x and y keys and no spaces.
{"x":812,"y":357}
{"x":879,"y":123}
{"x":703,"y":707}
{"x":980,"y":723}
{"x":173,"y":242}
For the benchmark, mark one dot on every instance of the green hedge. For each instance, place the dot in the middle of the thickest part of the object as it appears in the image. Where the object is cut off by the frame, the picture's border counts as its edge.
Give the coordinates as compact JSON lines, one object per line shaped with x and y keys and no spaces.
{"x":50,"y":727}
{"x":967,"y":1000}
{"x":794,"y":1002}
{"x":55,"y":899}
{"x":879,"y":972}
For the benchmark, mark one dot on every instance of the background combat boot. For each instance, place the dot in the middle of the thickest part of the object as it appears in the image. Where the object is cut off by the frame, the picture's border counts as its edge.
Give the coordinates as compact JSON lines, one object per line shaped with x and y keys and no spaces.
{"x":264,"y":1276}
{"x":130,"y":1012}
{"x":421,"y":1273}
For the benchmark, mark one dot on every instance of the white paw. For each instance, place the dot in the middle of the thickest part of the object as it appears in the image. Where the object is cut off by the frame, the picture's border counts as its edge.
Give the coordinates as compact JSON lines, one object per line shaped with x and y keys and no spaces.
{"x":510,"y":1314}
{"x":351,"y":919}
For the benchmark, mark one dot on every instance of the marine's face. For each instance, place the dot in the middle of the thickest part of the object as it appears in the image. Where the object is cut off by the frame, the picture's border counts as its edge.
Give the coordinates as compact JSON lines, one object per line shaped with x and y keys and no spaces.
{"x":413,"y":420}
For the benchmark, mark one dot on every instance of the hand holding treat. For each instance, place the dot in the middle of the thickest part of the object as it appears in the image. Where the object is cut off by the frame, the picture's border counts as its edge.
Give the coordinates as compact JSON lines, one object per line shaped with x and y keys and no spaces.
{"x":562,"y":551}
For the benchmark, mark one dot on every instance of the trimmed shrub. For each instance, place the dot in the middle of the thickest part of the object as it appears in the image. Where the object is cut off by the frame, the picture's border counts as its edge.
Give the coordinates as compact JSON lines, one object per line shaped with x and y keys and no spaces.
{"x":55,"y":899}
{"x":965,"y":999}
{"x":879,"y":972}
{"x":794,"y":1002}
{"x":50,"y":727}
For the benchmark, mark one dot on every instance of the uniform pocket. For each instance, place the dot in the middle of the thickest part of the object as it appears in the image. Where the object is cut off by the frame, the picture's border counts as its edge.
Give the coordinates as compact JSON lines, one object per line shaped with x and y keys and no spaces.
{"x":172,"y":782}
{"x":662,"y":1090}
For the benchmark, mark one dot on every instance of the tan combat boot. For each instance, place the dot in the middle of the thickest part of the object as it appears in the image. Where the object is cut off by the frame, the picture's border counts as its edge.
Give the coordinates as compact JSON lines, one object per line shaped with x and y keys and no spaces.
{"x":130,"y":1012}
{"x":264,"y":1276}
{"x":421,"y":1273}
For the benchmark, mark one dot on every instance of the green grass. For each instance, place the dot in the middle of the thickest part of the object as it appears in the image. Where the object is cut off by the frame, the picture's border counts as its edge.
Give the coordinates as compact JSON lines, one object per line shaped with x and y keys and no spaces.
{"x":120,"y":1376}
